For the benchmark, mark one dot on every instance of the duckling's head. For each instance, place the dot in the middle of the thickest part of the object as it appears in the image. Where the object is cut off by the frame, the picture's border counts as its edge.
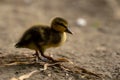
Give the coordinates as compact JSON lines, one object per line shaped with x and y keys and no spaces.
{"x":60,"y":25}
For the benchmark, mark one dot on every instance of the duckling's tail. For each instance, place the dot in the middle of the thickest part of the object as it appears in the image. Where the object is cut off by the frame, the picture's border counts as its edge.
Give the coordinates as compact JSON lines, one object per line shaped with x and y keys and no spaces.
{"x":18,"y":45}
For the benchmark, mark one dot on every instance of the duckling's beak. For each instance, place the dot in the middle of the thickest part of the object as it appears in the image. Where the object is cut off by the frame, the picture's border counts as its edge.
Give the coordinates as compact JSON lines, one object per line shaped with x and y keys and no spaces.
{"x":68,"y":31}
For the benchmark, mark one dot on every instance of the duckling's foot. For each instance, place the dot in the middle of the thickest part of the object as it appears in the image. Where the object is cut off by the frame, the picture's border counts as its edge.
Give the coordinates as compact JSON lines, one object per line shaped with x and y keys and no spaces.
{"x":44,"y":59}
{"x":52,"y":60}
{"x":48,"y":59}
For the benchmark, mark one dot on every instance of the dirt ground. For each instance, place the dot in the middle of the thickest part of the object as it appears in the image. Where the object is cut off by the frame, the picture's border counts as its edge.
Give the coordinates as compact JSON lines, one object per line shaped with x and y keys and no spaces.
{"x":94,"y":47}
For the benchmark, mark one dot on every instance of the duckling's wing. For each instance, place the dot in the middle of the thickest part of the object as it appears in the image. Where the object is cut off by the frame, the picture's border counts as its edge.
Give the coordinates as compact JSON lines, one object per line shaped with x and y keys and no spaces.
{"x":36,"y":34}
{"x":39,"y":34}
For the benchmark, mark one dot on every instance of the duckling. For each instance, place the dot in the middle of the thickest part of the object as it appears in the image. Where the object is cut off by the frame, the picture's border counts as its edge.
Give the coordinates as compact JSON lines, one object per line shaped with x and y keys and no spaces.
{"x":42,"y":37}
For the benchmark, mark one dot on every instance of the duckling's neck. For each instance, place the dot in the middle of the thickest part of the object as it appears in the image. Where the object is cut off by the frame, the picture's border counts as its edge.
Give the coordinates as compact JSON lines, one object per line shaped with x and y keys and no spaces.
{"x":58,"y":38}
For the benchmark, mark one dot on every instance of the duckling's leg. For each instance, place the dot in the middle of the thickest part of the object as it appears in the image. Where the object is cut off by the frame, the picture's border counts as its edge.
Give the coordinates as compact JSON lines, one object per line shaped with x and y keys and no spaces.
{"x":37,"y":57}
{"x":54,"y":60}
{"x":45,"y":56}
{"x":42,"y":50}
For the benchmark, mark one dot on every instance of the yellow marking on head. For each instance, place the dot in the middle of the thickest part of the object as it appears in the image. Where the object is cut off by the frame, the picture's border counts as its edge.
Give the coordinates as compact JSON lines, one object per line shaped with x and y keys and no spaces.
{"x":59,"y":24}
{"x":59,"y":28}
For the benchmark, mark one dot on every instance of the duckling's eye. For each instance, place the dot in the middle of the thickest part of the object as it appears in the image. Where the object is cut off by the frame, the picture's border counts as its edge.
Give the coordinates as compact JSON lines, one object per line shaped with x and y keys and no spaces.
{"x":61,"y":24}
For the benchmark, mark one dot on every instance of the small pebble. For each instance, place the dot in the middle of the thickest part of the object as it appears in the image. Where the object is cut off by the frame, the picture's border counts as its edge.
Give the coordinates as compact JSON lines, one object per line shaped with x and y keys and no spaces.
{"x":81,"y":22}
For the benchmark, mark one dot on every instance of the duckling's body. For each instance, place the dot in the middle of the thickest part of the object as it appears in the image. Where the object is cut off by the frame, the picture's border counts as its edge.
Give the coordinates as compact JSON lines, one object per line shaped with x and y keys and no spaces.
{"x":40,"y":37}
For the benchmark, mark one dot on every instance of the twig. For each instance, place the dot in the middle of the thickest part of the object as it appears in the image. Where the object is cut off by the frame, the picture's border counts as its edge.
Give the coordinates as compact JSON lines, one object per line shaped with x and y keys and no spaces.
{"x":25,"y":76}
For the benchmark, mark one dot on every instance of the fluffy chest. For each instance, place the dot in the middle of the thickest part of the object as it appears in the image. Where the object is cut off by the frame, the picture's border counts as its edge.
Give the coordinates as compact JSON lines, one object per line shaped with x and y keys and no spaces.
{"x":63,"y":39}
